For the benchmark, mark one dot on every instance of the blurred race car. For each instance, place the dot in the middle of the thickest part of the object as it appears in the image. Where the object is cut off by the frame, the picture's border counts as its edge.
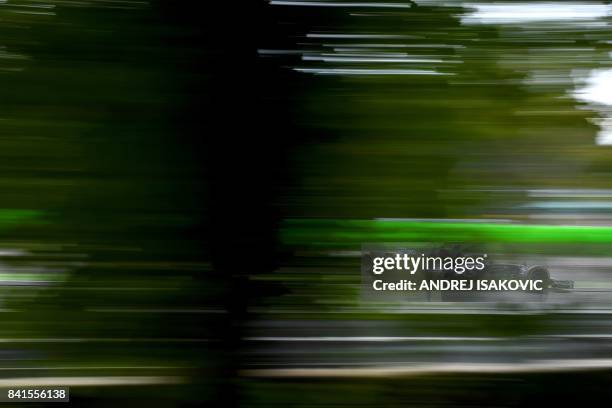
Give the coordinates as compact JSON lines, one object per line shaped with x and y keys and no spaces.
{"x":525,"y":272}
{"x":507,"y":271}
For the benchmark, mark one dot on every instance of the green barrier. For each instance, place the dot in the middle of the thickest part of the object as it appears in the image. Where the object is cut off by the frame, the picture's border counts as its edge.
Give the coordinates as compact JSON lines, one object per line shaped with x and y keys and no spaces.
{"x":12,"y":217}
{"x":317,"y":232}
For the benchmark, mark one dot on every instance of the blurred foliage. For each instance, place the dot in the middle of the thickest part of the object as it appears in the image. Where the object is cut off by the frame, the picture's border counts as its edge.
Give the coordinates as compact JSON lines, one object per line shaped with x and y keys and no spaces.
{"x":151,"y":150}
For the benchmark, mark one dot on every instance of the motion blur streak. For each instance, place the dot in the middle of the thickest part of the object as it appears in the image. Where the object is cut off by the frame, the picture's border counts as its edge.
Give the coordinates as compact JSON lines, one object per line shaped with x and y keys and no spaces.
{"x":187,"y":187}
{"x":339,"y":4}
{"x":519,"y":12}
